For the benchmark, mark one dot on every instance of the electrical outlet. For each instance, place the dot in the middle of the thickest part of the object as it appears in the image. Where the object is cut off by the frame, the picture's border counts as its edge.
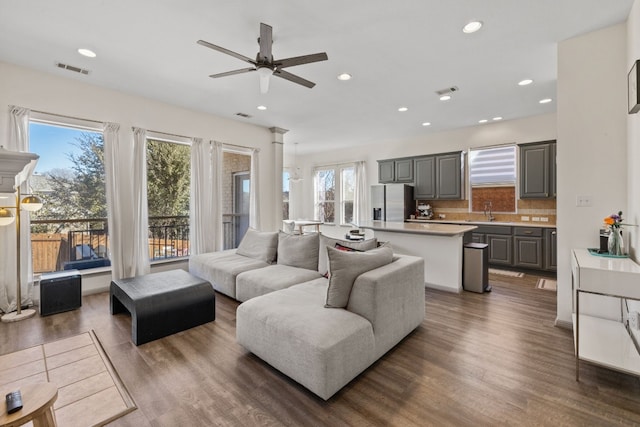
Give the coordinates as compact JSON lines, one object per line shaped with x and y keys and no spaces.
{"x":535,"y":218}
{"x":524,"y":218}
{"x":583,"y":201}
{"x":442,"y":216}
{"x":544,"y":219}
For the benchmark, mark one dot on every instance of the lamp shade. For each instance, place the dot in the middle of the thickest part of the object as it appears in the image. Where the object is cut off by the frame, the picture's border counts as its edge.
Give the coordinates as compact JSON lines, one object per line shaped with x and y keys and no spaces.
{"x":31,"y":203}
{"x":15,"y":168}
{"x":6,"y":217}
{"x":265,"y":75}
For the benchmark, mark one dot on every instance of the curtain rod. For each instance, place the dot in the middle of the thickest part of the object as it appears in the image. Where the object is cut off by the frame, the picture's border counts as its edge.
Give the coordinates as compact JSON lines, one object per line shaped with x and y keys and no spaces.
{"x":239,"y":146}
{"x":165,"y":133}
{"x":67,"y":117}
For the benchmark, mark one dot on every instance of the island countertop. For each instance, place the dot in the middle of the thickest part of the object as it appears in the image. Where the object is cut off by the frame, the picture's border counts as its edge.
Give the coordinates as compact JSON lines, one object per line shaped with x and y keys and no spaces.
{"x":438,"y":229}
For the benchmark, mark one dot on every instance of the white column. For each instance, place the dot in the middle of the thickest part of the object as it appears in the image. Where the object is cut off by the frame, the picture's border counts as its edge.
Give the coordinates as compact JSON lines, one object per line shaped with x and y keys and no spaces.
{"x":278,"y":160}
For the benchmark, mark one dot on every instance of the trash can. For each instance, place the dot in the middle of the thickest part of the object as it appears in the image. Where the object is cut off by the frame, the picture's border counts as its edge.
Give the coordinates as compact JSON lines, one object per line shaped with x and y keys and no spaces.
{"x":475,"y":271}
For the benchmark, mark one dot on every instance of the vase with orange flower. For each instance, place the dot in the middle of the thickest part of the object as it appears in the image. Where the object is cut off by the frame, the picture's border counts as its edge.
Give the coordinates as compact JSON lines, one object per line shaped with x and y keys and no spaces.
{"x":615,"y":242}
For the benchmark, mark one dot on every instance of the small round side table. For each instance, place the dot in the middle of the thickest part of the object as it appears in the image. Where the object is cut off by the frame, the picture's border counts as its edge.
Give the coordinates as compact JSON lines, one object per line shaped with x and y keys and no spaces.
{"x":37,"y":406}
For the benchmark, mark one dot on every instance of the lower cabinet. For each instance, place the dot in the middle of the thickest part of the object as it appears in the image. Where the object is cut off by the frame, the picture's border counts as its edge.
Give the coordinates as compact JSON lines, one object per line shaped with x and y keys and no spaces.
{"x":528,"y":252}
{"x":499,"y":249}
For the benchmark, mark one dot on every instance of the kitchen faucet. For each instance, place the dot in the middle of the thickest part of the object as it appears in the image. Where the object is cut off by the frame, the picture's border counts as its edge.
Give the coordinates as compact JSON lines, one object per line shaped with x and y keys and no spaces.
{"x":487,"y":210}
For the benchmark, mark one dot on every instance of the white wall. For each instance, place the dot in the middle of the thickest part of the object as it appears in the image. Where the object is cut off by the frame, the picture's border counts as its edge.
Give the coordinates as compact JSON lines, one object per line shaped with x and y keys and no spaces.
{"x":633,"y":137}
{"x":53,"y":94}
{"x":592,"y":143}
{"x":531,"y":129}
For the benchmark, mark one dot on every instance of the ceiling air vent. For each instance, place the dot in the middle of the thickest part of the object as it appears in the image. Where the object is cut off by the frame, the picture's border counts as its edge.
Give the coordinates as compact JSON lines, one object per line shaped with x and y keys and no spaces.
{"x":447,"y":91}
{"x":72,"y":68}
{"x":243,"y":115}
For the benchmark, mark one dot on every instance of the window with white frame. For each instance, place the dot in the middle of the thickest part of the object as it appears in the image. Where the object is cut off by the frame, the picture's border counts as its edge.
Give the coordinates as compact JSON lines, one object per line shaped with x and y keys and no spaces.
{"x":285,"y":194}
{"x":168,"y":196}
{"x":70,"y":231}
{"x":334,"y":193}
{"x":492,"y":179}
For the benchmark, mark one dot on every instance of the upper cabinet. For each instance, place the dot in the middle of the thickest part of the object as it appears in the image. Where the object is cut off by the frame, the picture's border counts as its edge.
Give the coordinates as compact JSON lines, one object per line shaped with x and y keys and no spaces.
{"x":438,"y":176}
{"x":395,"y":171}
{"x":538,"y":170}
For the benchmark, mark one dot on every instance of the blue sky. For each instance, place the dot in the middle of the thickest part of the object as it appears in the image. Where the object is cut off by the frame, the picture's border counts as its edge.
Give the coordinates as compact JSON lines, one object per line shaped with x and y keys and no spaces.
{"x":52,"y":144}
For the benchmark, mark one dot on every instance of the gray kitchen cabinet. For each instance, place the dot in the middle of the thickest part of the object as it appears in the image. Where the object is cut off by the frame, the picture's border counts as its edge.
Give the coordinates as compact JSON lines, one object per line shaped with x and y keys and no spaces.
{"x":478,"y":238}
{"x":395,"y":171}
{"x":425,"y":178}
{"x":386,"y":171}
{"x":527,"y":251}
{"x":500,"y":251}
{"x":438,"y":177}
{"x":449,"y":176}
{"x":537,"y":170}
{"x":551,"y":255}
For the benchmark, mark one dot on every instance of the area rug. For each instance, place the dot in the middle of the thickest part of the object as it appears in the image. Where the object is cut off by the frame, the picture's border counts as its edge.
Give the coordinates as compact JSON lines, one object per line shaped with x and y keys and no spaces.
{"x":547,"y":284}
{"x":506,"y":272}
{"x":90,"y":393}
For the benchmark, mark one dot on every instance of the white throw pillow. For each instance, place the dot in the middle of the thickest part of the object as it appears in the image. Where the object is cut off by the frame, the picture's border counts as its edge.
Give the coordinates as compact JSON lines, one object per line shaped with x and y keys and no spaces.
{"x":323,"y":260}
{"x":298,"y":250}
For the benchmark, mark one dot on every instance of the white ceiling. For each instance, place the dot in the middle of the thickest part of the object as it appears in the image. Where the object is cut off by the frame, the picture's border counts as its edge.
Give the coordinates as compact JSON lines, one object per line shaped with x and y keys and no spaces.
{"x":399,"y":53}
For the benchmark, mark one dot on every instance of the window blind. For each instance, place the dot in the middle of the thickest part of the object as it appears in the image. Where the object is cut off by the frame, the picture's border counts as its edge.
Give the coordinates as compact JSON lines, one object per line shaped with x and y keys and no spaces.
{"x":492,"y":166}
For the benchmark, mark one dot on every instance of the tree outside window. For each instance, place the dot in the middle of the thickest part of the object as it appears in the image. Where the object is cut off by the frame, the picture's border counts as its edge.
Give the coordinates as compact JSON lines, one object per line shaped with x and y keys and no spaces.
{"x":334,"y":194}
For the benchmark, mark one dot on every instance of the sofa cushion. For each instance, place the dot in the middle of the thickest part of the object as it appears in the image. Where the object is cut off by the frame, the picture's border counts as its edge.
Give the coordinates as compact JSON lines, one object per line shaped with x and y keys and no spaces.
{"x":221,"y":268}
{"x":298,"y":250}
{"x":321,"y":349}
{"x":346,"y":267}
{"x":323,"y":260}
{"x":254,"y":283}
{"x":260,"y":245}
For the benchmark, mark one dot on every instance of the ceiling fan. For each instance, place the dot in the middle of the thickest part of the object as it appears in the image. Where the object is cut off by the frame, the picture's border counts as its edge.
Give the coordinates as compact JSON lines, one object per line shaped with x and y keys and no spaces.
{"x":264,"y":63}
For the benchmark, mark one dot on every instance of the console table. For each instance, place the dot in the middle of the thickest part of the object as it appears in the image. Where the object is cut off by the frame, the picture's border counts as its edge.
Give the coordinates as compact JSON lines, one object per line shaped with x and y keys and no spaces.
{"x":597,"y":340}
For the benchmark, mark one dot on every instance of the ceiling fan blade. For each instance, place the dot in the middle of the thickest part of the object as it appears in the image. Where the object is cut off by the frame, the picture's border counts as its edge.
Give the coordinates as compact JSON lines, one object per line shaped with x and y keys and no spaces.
{"x":231,"y":73}
{"x":227,"y":51}
{"x":266,"y":41}
{"x":293,"y":78}
{"x":299,"y":60}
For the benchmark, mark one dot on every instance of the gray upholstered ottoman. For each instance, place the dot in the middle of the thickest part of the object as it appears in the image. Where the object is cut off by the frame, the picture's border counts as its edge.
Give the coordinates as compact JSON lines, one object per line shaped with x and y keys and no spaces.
{"x":163,"y":303}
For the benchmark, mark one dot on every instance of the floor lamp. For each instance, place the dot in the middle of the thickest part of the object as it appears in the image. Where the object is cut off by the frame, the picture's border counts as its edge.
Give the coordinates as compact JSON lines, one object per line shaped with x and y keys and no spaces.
{"x":15,"y":168}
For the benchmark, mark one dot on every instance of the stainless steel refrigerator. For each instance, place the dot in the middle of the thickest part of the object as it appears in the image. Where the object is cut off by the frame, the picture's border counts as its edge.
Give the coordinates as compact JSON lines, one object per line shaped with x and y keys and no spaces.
{"x":392,"y":202}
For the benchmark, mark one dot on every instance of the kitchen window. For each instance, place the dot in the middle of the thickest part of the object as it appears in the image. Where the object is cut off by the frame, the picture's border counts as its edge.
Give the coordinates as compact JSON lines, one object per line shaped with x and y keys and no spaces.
{"x":492,"y":179}
{"x":334,"y":193}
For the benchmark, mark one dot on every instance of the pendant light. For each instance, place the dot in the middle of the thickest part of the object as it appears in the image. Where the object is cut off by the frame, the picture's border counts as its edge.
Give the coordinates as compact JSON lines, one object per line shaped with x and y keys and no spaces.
{"x":296,"y":176}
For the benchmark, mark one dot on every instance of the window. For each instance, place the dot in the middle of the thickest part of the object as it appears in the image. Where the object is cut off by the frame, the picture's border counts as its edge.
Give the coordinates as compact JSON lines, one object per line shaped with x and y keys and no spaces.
{"x":285,"y":194}
{"x":168,"y":188}
{"x":334,"y":194}
{"x":70,"y":231}
{"x":492,"y":179}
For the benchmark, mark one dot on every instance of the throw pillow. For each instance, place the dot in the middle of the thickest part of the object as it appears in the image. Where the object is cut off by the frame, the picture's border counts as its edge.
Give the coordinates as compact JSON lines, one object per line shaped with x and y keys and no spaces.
{"x":323,"y":261}
{"x":345,"y":269}
{"x":298,"y":250}
{"x":260,"y":245}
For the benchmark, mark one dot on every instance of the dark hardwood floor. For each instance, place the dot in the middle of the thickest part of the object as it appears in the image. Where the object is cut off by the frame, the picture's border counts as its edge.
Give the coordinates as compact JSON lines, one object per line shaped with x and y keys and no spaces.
{"x":477,"y":359}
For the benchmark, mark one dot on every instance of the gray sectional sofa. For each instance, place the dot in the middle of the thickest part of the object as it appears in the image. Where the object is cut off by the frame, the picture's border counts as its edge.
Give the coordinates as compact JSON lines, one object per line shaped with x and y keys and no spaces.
{"x":318,"y":314}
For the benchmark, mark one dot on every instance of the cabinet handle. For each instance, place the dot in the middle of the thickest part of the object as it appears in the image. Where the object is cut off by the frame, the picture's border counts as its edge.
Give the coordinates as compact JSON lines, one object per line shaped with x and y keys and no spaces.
{"x":528,"y":232}
{"x":553,"y":233}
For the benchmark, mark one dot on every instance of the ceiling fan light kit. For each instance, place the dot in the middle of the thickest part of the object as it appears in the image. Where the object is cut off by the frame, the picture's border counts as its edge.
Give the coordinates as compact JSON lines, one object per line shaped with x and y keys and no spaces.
{"x":264,"y":63}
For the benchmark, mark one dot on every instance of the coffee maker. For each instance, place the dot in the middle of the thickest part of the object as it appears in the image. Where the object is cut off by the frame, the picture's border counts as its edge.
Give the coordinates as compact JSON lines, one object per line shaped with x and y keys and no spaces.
{"x":425,"y":211}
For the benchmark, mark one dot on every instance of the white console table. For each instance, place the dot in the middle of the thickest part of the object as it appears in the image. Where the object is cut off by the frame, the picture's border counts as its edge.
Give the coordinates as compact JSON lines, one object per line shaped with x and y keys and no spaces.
{"x":598,"y":340}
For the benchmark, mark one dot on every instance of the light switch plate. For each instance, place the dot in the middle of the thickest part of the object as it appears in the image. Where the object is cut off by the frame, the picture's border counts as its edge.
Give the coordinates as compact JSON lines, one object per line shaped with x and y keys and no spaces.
{"x":583,"y":201}
{"x":524,"y":218}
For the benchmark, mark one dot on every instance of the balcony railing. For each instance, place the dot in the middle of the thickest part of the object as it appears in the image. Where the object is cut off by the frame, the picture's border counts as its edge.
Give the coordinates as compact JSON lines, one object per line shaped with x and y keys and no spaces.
{"x":84,"y":243}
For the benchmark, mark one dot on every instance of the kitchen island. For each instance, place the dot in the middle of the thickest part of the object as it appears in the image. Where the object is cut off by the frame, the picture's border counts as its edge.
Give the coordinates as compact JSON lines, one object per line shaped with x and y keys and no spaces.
{"x":440,"y":245}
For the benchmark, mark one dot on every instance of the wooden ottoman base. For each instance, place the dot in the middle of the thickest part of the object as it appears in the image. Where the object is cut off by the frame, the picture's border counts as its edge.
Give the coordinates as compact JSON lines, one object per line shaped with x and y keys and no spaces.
{"x":163,"y":303}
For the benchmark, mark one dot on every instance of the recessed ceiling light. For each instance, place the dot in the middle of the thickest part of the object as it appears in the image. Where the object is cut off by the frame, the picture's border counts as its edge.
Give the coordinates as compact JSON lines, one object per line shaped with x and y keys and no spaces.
{"x":403,"y":109}
{"x":426,"y":124}
{"x":545,"y":101}
{"x":344,"y":76}
{"x":261,"y":107}
{"x":497,"y":118}
{"x":525,"y":82}
{"x":445,"y":98}
{"x":87,"y":52}
{"x":472,"y":27}
{"x":483,"y":121}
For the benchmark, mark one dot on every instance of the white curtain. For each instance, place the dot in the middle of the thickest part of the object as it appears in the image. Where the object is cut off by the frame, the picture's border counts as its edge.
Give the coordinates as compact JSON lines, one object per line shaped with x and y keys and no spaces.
{"x":254,"y":191}
{"x":216,"y":195}
{"x":116,"y":169}
{"x":361,"y":194}
{"x":201,"y":227}
{"x":18,"y":141}
{"x":140,"y":244}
